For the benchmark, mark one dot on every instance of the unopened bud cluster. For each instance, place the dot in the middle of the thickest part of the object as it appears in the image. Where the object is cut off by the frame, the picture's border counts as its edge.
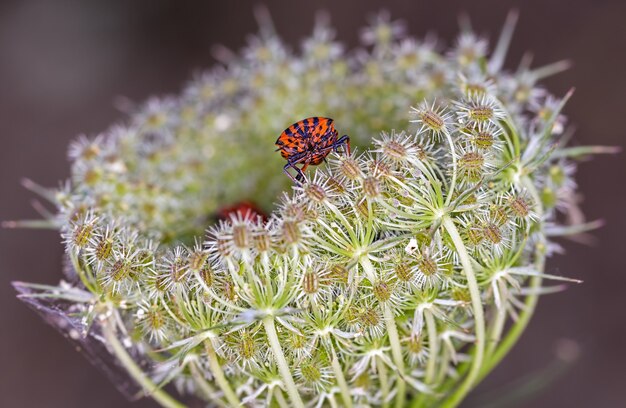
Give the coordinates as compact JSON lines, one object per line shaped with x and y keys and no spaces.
{"x":388,"y":274}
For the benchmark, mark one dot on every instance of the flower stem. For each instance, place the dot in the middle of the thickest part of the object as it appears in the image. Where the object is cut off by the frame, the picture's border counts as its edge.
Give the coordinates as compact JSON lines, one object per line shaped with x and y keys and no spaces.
{"x":515,"y":332}
{"x":343,"y":220}
{"x":218,"y":373}
{"x":281,"y":362}
{"x":201,"y":382}
{"x":454,"y":170}
{"x":531,"y":300}
{"x":477,"y":310}
{"x":433,"y":346}
{"x":433,"y":353}
{"x":341,"y":380}
{"x":495,"y":332}
{"x":280,"y":398}
{"x":384,"y":380}
{"x":394,"y":338}
{"x":149,"y":387}
{"x":81,"y":273}
{"x":396,"y":352}
{"x":443,"y":366}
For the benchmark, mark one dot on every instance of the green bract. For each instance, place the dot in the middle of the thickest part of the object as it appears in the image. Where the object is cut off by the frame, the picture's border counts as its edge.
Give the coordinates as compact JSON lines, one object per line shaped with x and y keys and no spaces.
{"x":389,"y":276}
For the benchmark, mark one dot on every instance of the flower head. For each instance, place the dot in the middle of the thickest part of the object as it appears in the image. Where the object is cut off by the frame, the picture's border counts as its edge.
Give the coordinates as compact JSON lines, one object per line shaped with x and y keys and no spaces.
{"x":374,"y":276}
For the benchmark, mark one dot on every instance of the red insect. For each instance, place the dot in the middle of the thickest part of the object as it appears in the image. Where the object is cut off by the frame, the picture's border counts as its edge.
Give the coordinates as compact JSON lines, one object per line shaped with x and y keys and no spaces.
{"x":308,"y":142}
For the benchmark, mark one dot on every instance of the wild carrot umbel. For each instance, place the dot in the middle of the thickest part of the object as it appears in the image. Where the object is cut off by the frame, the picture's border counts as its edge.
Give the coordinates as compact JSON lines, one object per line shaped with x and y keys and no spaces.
{"x":400,"y":273}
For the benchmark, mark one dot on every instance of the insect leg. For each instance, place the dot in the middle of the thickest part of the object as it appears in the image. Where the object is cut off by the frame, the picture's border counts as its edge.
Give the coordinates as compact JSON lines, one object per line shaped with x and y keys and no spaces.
{"x":292,"y":163}
{"x":300,"y":177}
{"x":342,"y":141}
{"x":286,"y":171}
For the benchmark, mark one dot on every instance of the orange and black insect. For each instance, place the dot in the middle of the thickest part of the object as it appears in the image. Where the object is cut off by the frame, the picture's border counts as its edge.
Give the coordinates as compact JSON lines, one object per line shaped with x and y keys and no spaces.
{"x":308,"y":142}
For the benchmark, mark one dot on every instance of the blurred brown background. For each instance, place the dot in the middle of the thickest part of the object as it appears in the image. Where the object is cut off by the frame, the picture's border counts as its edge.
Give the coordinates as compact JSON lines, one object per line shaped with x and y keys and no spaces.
{"x":63,"y":63}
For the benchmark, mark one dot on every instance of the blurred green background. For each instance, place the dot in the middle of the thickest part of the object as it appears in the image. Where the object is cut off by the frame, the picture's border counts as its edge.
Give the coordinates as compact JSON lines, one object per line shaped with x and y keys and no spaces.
{"x":66,"y":65}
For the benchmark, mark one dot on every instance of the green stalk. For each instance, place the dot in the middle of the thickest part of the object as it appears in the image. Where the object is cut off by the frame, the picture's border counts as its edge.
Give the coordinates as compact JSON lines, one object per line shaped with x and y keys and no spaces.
{"x":531,"y":300}
{"x":514,"y":333}
{"x":433,"y":347}
{"x":477,"y":309}
{"x":218,"y":373}
{"x":454,"y":170}
{"x":341,"y":380}
{"x":443,"y":366}
{"x":280,"y":398}
{"x":202,"y":383}
{"x":343,"y":220}
{"x":394,"y":338}
{"x":81,"y":273}
{"x":281,"y":362}
{"x":384,"y":380}
{"x":149,"y":387}
{"x":431,"y":364}
{"x":396,"y":352}
{"x":495,"y":332}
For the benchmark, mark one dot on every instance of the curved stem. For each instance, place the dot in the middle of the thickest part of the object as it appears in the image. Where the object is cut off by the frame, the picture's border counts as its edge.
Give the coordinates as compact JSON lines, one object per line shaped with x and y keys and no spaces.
{"x":343,"y":220}
{"x":281,"y":362}
{"x":368,"y":268}
{"x":433,"y":353}
{"x":202,"y":383}
{"x":341,"y":379}
{"x":280,"y":398}
{"x":396,"y":352}
{"x":515,"y":332}
{"x":218,"y":373}
{"x":531,"y":300}
{"x":433,"y":346}
{"x":81,"y":273}
{"x":479,"y":319}
{"x":148,"y":386}
{"x":384,"y":380}
{"x":495,"y":332}
{"x":173,"y":315}
{"x":454,"y":171}
{"x":369,"y":234}
{"x":443,"y":365}
{"x":218,"y":299}
{"x":392,"y":332}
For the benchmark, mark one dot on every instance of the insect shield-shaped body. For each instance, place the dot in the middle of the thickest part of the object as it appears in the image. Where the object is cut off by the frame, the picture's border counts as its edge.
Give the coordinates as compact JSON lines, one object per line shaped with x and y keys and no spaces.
{"x":308,"y":142}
